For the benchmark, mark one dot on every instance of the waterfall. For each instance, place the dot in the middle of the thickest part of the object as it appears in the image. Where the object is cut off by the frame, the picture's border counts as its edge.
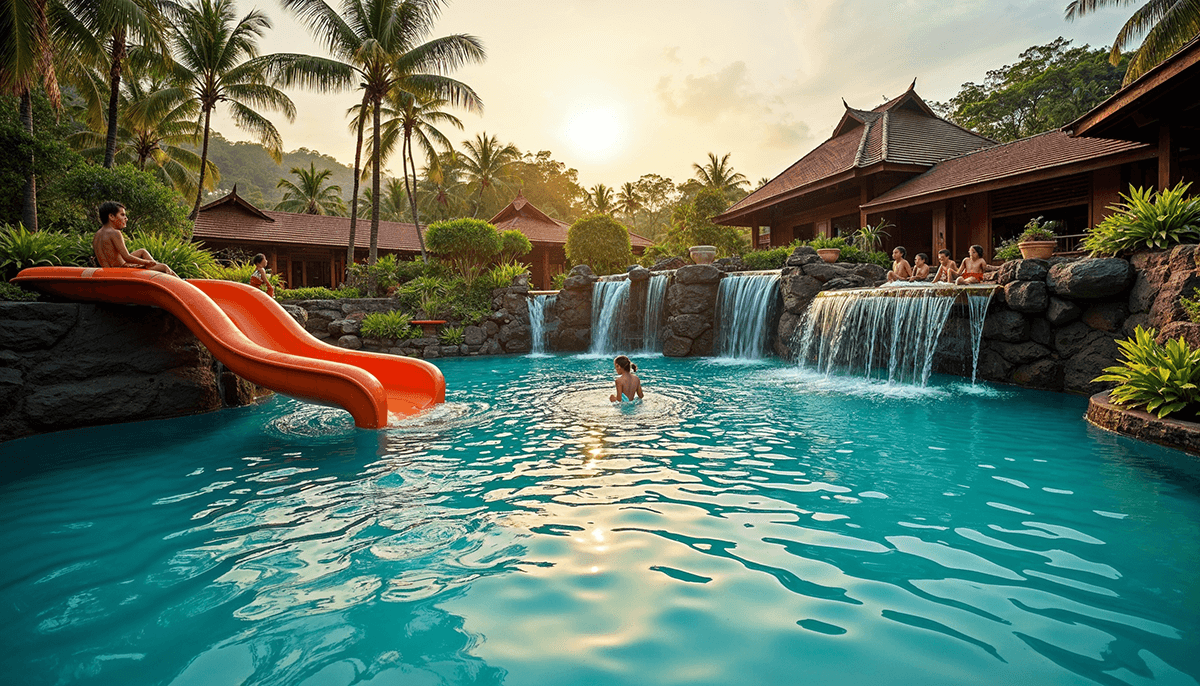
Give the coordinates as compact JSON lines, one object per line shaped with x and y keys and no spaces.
{"x":656,"y":294}
{"x":863,"y":331}
{"x":978,"y":306}
{"x":744,"y":302}
{"x":537,"y":321}
{"x":609,"y":302}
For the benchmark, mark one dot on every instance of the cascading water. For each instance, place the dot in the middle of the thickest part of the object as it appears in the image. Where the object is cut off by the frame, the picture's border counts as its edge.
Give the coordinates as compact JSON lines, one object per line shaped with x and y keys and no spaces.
{"x":609,"y":302}
{"x":744,"y":302}
{"x":977,"y":304}
{"x":656,"y":292}
{"x":537,"y":321}
{"x":862,"y":331}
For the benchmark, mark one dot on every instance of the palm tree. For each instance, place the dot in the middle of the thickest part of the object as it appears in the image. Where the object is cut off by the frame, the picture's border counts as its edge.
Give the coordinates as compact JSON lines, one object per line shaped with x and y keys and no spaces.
{"x":440,"y":190}
{"x":488,"y":163}
{"x":1166,"y":25}
{"x":629,"y":201}
{"x":379,"y":42}
{"x":599,"y":199}
{"x":394,"y":202}
{"x":26,"y":57}
{"x":311,"y":195}
{"x":99,"y":33}
{"x":719,"y":175}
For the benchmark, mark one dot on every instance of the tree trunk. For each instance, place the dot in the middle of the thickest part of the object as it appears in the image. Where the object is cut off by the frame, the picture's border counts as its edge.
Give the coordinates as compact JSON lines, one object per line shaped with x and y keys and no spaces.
{"x":114,"y":91}
{"x":373,"y":255}
{"x":362,"y":118}
{"x":406,"y":156}
{"x":29,"y":204}
{"x":203,"y":167}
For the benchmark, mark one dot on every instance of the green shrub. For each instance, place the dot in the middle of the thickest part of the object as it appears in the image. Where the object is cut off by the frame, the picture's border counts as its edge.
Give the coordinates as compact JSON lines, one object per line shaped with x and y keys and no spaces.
{"x":1147,"y":220}
{"x":600,"y":242}
{"x":407,"y":270}
{"x":558,"y":281}
{"x":13,"y":292}
{"x":467,"y":244}
{"x":1008,"y":250}
{"x":452,"y":335}
{"x":1191,"y":306}
{"x":870,"y":238}
{"x":237,"y":271}
{"x":768,"y":259}
{"x":316,"y":293}
{"x":502,"y":275}
{"x":513,"y":244}
{"x":152,"y":206}
{"x":1038,"y":230}
{"x":20,"y":249}
{"x":821,"y":243}
{"x":849,"y":253}
{"x":392,"y":324}
{"x":188,"y":260}
{"x":383,"y":273}
{"x":1165,"y":379}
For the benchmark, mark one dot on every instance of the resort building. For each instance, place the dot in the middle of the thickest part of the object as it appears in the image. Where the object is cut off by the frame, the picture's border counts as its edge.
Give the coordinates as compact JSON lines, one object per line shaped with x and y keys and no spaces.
{"x":310,"y":249}
{"x":944,"y":187}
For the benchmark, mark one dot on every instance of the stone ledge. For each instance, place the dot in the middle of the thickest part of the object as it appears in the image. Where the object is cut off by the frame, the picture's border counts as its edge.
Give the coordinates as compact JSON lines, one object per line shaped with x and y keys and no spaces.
{"x":1172,"y":433}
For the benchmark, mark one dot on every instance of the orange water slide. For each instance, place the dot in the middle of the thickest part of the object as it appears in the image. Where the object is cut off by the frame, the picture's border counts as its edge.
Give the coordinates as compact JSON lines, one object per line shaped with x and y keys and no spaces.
{"x":254,"y":337}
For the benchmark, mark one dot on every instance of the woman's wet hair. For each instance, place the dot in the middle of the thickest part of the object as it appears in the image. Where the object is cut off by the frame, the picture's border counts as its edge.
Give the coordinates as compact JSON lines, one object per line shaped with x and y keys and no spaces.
{"x":259,"y":259}
{"x":625,"y":363}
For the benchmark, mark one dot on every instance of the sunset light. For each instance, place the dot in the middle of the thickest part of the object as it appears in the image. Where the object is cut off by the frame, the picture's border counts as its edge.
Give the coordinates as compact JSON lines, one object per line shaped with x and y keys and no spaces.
{"x":596,"y":133}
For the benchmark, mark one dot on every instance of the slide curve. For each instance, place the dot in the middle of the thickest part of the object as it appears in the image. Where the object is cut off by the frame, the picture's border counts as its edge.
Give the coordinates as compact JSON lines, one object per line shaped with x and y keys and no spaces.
{"x":259,"y":341}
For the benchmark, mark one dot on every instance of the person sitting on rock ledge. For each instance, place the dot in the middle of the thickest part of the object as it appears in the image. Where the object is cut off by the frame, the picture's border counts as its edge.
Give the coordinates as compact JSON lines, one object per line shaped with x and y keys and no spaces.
{"x":109,"y":243}
{"x":973,"y":267}
{"x":901,"y":269}
{"x":921,"y":268}
{"x":259,"y":278}
{"x":947,"y":268}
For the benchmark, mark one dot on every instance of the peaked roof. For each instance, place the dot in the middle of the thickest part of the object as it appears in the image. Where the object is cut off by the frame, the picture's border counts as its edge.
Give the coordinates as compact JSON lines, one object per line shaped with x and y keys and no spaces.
{"x":539,"y":227}
{"x":1045,"y":151}
{"x":903,"y":131}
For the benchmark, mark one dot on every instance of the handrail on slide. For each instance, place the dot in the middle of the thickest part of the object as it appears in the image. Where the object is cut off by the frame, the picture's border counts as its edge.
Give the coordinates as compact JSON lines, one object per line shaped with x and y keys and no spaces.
{"x":258,"y":340}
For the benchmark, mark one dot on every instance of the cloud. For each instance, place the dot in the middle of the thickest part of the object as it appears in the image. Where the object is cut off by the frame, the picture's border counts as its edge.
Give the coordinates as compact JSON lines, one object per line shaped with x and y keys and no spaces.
{"x":704,"y":98}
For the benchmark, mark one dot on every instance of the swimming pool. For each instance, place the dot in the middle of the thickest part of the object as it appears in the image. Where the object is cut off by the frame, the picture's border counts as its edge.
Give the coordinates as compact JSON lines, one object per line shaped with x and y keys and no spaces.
{"x":746,"y":524}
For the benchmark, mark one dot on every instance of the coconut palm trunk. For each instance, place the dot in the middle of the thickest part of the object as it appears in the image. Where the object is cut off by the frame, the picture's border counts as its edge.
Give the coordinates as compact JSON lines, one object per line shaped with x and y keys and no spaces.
{"x":114,"y":91}
{"x":29,"y":203}
{"x":203,"y":164}
{"x":357,"y":173}
{"x":406,"y":158}
{"x":373,"y":255}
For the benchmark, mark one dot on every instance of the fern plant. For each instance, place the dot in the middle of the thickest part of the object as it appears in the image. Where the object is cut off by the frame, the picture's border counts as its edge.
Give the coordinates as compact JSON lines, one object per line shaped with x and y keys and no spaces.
{"x":870,"y":238}
{"x":394,"y":325}
{"x":1165,"y":379}
{"x":503,"y":274}
{"x":189,"y":260}
{"x":20,"y":248}
{"x":452,"y":335}
{"x":1147,"y":220}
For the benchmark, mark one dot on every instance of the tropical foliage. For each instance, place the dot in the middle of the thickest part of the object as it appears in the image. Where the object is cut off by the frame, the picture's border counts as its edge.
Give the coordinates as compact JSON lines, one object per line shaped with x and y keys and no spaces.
{"x":188,"y":260}
{"x":151,"y":205}
{"x":1165,"y":24}
{"x":311,"y":194}
{"x":317,"y":293}
{"x":1164,"y":379}
{"x":1038,"y":230}
{"x":870,"y":238}
{"x":237,"y":271}
{"x":394,"y":325}
{"x":774,"y":258}
{"x":468,"y":245}
{"x":513,"y":244}
{"x":1147,"y":220}
{"x":1191,"y":306}
{"x":488,"y":165}
{"x":21,"y":248}
{"x":600,"y":242}
{"x":692,"y":225}
{"x":14,"y":292}
{"x":719,"y":175}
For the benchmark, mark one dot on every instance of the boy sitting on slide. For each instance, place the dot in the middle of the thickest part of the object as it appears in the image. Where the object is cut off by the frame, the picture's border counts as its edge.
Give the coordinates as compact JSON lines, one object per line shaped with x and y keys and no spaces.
{"x":109,"y":243}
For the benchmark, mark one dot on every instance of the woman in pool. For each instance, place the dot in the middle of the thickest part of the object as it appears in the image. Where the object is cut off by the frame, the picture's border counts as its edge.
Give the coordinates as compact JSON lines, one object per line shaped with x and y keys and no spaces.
{"x":628,"y":383}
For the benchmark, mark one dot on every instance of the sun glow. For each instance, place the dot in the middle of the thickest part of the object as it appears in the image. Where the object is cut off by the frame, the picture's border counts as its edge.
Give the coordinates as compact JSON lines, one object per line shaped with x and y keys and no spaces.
{"x":595,"y":132}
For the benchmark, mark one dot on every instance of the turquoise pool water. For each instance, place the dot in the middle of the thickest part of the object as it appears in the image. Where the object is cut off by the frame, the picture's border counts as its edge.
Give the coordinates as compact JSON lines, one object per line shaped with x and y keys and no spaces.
{"x":744,"y":525}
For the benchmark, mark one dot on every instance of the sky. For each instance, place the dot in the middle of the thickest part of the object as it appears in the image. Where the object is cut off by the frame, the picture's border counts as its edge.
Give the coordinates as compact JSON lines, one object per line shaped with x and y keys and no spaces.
{"x":625,"y":88}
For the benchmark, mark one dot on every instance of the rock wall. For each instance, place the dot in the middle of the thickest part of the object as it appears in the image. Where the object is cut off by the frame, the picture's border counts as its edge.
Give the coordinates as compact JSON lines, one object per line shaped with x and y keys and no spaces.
{"x":570,"y":324}
{"x":804,"y":275}
{"x":691,"y":311}
{"x":68,"y":365}
{"x":339,"y":322}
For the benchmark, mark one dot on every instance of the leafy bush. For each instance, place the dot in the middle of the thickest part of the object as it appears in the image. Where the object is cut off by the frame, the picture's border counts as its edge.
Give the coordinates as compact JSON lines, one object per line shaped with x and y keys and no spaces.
{"x":452,"y":335}
{"x":188,"y":260}
{"x":467,"y":244}
{"x":407,"y":270}
{"x":20,"y":249}
{"x":769,"y":259}
{"x":513,"y":244}
{"x":237,"y":271}
{"x":12,"y":292}
{"x":383,"y":273}
{"x":152,"y":206}
{"x":821,"y":243}
{"x":849,"y":253}
{"x":870,"y":238}
{"x":316,"y":293}
{"x":1038,"y":230}
{"x":1008,"y":250}
{"x":1147,"y":220}
{"x":600,"y":242}
{"x":691,"y":224}
{"x":502,"y":275}
{"x":392,"y":324}
{"x":558,"y":281}
{"x":1191,"y":306}
{"x":1165,"y":379}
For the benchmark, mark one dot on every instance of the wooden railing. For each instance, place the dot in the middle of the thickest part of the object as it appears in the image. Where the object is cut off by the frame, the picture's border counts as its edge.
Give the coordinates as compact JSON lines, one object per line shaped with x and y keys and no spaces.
{"x":1070,"y":244}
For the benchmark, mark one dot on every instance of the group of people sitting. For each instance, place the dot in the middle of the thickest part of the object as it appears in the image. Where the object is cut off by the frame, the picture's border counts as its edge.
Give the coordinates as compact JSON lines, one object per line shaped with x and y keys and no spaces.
{"x":971,"y":270}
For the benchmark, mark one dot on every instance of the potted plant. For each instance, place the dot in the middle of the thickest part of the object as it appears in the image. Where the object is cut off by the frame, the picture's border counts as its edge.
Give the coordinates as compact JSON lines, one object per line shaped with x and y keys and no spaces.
{"x":1038,"y":240}
{"x":870,"y":238}
{"x":703,"y":254}
{"x":829,"y":249}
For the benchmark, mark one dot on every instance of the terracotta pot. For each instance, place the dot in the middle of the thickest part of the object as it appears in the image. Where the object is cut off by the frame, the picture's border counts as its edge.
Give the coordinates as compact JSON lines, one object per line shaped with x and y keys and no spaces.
{"x":429,"y":327}
{"x":1037,"y":250}
{"x":829,"y":254}
{"x":703,"y":254}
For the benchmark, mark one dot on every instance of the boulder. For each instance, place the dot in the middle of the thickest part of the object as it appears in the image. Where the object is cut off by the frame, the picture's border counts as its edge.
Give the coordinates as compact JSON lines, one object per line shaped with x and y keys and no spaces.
{"x":1133,"y":321}
{"x":423,"y":342}
{"x":698,"y":274}
{"x":842,"y":283}
{"x":1183,"y":278}
{"x":1090,"y":278}
{"x":795,"y":260}
{"x":1023,"y":270}
{"x":1060,"y":312}
{"x":1106,"y":316}
{"x":992,"y":365}
{"x":367,"y":305}
{"x":491,"y":328}
{"x":431,"y":352}
{"x":798,"y":291}
{"x":35,"y":325}
{"x":1041,"y":332}
{"x":638,"y":273}
{"x":492,"y":347}
{"x":870,"y":272}
{"x":689,"y":325}
{"x":1007,"y":326}
{"x":298,"y":313}
{"x":1020,"y":353}
{"x":673,"y":346}
{"x":1073,"y":338}
{"x":1188,"y":331}
{"x":1045,"y":373}
{"x":823,"y":271}
{"x":806,"y":250}
{"x":1026,"y":296}
{"x":1101,"y":351}
{"x":789,"y":327}
{"x":691,"y":298}
{"x":474,"y":335}
{"x":580,"y":278}
{"x":668,"y":263}
{"x":703,"y":345}
{"x":350,"y":342}
{"x":318,"y":320}
{"x":448,"y":351}
{"x":1145,"y":288}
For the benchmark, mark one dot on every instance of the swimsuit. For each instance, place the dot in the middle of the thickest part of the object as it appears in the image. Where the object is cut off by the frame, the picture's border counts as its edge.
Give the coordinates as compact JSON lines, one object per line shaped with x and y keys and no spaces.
{"x":978,"y":275}
{"x":257,"y":282}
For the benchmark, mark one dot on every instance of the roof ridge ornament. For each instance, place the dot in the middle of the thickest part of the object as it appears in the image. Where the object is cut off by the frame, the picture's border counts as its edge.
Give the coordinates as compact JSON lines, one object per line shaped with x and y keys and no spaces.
{"x":913,"y":85}
{"x":844,"y":104}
